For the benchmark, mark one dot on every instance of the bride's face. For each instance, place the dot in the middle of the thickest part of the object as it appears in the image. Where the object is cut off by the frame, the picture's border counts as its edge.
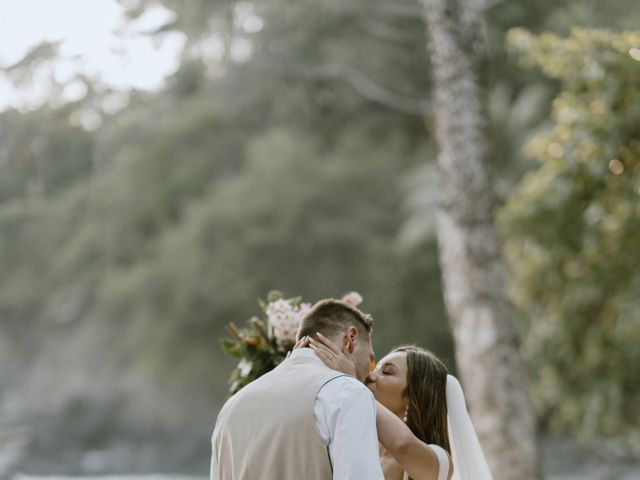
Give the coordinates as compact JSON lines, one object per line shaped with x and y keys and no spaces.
{"x":389,"y":381}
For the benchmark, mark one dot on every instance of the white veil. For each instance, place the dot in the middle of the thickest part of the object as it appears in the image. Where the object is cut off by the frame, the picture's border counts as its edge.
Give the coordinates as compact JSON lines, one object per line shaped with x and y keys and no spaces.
{"x":469,"y":462}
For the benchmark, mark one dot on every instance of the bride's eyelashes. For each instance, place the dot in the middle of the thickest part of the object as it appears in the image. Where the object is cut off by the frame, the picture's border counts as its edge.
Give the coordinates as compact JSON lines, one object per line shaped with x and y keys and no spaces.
{"x":387,"y":370}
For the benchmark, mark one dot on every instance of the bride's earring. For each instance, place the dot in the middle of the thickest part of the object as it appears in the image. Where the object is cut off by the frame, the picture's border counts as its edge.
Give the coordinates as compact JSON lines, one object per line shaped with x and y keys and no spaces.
{"x":406,"y":412}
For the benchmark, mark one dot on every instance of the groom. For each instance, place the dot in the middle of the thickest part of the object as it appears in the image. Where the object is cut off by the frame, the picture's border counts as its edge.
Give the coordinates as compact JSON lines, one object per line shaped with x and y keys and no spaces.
{"x":302,"y":420}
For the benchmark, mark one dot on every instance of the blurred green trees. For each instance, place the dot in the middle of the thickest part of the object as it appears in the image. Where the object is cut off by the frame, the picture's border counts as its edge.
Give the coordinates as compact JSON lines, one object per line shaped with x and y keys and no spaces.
{"x":292,"y":150}
{"x":573,"y":233}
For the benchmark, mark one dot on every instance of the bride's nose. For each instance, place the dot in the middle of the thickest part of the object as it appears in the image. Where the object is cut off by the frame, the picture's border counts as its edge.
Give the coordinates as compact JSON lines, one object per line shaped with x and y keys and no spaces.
{"x":372,"y":377}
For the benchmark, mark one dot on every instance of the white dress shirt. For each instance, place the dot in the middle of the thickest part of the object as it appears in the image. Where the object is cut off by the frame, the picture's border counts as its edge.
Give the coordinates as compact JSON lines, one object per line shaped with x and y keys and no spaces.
{"x":345,"y":413}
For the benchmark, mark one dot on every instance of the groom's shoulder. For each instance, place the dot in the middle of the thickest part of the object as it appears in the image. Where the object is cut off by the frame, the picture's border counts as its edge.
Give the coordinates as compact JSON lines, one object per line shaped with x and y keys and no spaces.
{"x":346,"y":387}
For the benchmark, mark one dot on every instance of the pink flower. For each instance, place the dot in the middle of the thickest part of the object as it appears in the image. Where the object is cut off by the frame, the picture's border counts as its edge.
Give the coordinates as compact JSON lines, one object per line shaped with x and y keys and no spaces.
{"x":352,"y":298}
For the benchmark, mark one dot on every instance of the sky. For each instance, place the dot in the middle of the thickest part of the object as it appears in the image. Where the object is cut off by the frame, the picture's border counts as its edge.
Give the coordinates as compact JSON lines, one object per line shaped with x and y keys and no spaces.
{"x":94,"y":40}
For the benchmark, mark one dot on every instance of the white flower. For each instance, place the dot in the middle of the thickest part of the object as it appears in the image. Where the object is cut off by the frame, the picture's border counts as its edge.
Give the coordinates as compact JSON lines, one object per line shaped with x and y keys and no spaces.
{"x":284,"y":318}
{"x":245,"y":367}
{"x":303,"y":309}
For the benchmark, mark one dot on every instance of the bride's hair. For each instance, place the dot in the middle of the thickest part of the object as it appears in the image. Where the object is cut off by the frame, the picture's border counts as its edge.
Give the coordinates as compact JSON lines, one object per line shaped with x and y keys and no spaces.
{"x":427,"y":394}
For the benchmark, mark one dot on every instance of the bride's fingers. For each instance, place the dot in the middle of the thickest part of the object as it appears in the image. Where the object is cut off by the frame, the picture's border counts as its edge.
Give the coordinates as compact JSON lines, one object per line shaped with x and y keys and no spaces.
{"x":319,"y":347}
{"x":326,"y":359}
{"x":303,"y":342}
{"x":328,"y":343}
{"x":322,"y":350}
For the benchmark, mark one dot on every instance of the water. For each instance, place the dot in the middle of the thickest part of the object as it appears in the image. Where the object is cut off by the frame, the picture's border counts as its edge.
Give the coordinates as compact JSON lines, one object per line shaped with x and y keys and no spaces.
{"x":629,"y":475}
{"x":563,"y":460}
{"x":110,"y":477}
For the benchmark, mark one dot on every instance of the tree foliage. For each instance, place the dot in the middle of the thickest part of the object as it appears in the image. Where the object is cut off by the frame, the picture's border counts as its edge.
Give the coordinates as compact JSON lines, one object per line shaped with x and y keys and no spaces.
{"x":292,"y":149}
{"x":573,"y":229}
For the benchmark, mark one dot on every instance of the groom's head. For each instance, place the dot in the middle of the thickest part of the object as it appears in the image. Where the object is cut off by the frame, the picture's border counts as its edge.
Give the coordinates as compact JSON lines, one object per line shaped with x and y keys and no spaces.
{"x":344,"y":325}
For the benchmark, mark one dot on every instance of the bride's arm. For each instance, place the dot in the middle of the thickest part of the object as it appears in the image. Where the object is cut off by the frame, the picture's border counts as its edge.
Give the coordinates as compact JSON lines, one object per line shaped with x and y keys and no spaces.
{"x":415,"y":457}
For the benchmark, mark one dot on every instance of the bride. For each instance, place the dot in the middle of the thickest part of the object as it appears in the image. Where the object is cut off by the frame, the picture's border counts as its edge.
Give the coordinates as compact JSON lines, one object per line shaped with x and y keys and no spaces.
{"x":423,"y":426}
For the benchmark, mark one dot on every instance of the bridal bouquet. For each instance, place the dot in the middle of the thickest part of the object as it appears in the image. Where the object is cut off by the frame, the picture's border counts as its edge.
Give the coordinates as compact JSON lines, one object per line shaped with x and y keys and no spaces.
{"x":265,"y":341}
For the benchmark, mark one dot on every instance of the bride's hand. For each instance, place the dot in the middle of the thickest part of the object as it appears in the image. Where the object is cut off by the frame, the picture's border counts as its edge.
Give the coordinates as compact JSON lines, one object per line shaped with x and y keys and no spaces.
{"x":331,"y":355}
{"x":302,"y":343}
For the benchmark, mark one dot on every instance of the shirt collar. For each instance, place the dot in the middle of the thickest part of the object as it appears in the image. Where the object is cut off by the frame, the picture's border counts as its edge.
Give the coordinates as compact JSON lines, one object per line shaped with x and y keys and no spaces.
{"x":304,"y":353}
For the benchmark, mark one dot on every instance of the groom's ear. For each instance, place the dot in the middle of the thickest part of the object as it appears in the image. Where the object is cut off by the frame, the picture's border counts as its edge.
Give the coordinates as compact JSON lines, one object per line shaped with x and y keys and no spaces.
{"x":351,"y":338}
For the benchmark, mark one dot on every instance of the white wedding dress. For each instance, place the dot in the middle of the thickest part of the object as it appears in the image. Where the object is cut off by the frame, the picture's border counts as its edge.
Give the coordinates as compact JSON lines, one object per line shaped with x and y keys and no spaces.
{"x":443,"y":463}
{"x":469,"y":462}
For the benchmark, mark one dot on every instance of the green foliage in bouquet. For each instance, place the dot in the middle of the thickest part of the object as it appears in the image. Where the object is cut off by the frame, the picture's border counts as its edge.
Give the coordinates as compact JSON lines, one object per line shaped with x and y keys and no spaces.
{"x":265,"y":341}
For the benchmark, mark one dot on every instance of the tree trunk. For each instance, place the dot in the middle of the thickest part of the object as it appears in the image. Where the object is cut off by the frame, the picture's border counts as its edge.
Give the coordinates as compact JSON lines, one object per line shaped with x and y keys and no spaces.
{"x":481,"y":315}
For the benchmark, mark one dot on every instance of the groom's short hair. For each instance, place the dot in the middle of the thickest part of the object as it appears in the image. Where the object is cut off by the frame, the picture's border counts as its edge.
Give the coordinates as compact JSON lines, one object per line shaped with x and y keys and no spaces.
{"x":331,"y":316}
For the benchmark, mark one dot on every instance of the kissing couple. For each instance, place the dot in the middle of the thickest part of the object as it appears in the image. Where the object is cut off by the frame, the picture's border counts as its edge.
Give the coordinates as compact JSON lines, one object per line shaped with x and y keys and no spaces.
{"x":323,"y":413}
